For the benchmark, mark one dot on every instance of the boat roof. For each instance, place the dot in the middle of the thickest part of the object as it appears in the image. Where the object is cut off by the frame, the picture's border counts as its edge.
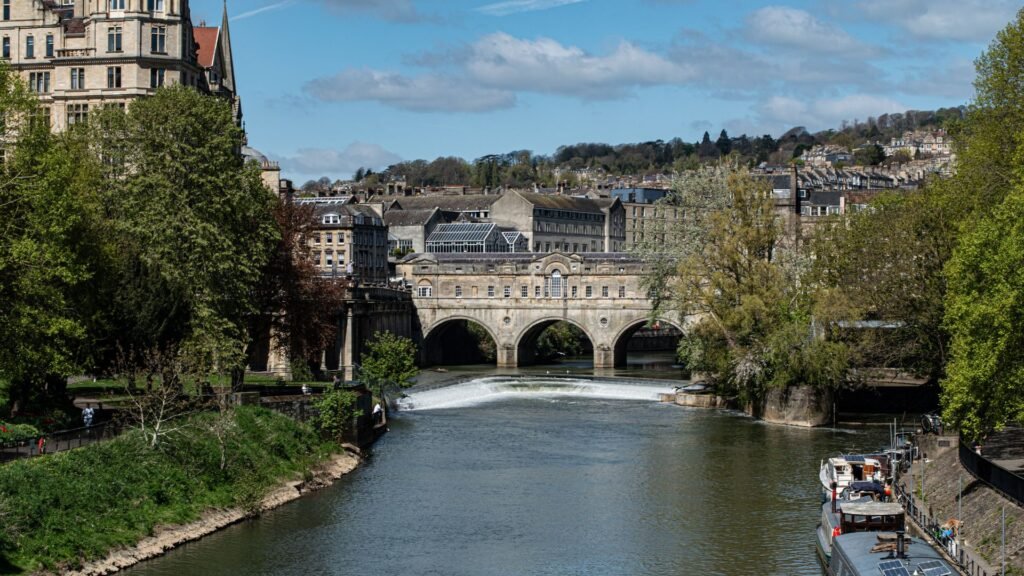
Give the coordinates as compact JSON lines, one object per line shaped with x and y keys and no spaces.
{"x":857,"y":458}
{"x":872,"y":508}
{"x":856,"y":549}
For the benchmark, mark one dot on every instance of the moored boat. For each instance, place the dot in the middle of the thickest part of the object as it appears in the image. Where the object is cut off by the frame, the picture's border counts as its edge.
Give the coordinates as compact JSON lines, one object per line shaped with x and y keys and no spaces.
{"x":885,"y":554}
{"x":841,"y":471}
{"x":863,"y":514}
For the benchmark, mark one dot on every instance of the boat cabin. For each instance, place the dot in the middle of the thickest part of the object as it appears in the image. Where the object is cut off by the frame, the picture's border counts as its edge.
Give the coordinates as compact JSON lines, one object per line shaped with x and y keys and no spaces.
{"x":885,"y":554}
{"x":870,"y":517}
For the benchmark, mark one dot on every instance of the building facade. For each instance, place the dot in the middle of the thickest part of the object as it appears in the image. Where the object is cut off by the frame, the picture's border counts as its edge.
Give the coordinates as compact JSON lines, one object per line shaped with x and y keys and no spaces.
{"x":80,"y":55}
{"x":348,"y":240}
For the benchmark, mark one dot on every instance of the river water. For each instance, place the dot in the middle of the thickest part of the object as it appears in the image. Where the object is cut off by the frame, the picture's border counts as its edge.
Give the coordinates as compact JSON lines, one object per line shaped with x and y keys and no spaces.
{"x":544,"y":477}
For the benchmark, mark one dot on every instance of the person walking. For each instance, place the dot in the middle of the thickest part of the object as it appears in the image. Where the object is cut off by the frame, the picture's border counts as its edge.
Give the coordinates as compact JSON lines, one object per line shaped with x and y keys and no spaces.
{"x":87,"y":415}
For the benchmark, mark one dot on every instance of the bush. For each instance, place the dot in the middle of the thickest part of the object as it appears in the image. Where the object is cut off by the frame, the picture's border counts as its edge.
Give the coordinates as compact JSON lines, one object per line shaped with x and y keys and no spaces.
{"x":337,"y":413}
{"x":17,"y":432}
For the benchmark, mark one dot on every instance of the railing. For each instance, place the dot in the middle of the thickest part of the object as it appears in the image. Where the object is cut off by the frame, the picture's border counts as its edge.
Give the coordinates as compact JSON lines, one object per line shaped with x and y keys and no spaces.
{"x":1000,"y":479}
{"x":58,"y":441}
{"x":74,"y":52}
{"x":966,"y":561}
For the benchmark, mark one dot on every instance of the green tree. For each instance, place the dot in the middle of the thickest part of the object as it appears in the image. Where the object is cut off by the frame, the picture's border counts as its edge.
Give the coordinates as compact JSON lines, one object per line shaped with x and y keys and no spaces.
{"x":190,"y":226}
{"x":869,"y":155}
{"x":389,"y":359}
{"x":47,"y":249}
{"x":337,"y":413}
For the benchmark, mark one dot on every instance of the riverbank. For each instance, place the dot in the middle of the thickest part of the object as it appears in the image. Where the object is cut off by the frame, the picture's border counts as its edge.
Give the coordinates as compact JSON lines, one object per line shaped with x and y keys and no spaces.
{"x":170,"y":537}
{"x":62,"y":511}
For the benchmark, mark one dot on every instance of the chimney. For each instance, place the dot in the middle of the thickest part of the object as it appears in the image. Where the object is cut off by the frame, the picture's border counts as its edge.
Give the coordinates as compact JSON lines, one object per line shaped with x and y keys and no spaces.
{"x":900,"y":545}
{"x":794,"y":189}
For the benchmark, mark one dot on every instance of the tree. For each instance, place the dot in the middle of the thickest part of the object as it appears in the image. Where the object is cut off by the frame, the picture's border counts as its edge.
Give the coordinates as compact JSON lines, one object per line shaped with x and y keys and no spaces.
{"x":190,"y":227}
{"x":869,"y":155}
{"x":724,"y":144}
{"x":47,"y":249}
{"x":707,"y":149}
{"x":390,"y":359}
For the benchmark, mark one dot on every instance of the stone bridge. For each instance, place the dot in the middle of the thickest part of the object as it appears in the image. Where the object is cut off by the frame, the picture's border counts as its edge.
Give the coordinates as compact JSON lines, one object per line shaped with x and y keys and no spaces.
{"x":516,"y":296}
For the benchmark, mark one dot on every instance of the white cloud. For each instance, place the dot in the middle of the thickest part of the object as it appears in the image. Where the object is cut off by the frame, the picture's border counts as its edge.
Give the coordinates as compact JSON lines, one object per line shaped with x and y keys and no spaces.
{"x":965,"y":20}
{"x":424,"y":93}
{"x":316,"y":162}
{"x":516,"y":6}
{"x":794,"y":28}
{"x":544,"y":65}
{"x":825,"y":112}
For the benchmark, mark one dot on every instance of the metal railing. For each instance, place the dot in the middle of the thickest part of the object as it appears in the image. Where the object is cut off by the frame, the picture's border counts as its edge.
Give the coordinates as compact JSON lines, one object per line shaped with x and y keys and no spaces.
{"x":1000,"y":479}
{"x":59,"y":441}
{"x":966,"y":561}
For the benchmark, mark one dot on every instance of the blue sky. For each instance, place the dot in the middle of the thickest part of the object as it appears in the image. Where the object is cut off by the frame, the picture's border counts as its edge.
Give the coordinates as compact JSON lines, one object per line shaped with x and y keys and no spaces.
{"x":331,"y":85}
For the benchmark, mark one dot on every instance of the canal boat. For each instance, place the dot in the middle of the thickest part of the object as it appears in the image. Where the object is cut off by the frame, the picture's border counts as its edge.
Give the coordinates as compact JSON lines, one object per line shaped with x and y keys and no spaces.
{"x":842,"y":471}
{"x":885,"y":554}
{"x":860,"y":514}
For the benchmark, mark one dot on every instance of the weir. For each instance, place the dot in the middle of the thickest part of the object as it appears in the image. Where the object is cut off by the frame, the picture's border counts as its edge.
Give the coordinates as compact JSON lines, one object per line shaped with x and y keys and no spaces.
{"x":490,"y":389}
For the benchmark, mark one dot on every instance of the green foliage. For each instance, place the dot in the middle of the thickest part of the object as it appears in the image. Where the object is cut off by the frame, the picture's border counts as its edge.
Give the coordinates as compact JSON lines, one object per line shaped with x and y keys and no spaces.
{"x":17,"y":432}
{"x":869,"y":155}
{"x":390,"y":359}
{"x":485,"y":345}
{"x":561,"y":339}
{"x":337,"y":413}
{"x":75,"y":506}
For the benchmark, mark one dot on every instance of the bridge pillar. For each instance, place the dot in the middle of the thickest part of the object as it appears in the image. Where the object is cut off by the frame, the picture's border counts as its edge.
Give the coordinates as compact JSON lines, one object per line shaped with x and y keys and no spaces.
{"x":604,"y":356}
{"x":507,"y":356}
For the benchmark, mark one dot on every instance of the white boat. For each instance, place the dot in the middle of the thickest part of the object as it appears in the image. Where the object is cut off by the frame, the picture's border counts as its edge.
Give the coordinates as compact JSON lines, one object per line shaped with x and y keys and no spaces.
{"x":847,"y":469}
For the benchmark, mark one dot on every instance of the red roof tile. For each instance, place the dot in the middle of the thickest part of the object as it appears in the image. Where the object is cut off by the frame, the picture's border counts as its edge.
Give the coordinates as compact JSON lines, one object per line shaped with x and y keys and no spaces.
{"x":206,"y":40}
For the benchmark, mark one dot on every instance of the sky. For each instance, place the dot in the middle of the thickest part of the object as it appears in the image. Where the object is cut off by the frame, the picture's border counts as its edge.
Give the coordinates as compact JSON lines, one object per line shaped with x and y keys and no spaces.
{"x":329,"y":86}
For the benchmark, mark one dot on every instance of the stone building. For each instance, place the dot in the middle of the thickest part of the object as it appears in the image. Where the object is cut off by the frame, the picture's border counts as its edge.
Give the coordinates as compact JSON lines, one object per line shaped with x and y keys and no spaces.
{"x":553,"y":223}
{"x":348,"y":240}
{"x":409,"y":228}
{"x":79,"y":55}
{"x":468,"y":237}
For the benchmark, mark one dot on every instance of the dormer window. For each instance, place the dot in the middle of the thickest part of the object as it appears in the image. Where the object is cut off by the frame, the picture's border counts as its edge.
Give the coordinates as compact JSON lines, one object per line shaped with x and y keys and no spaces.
{"x":331,"y":219}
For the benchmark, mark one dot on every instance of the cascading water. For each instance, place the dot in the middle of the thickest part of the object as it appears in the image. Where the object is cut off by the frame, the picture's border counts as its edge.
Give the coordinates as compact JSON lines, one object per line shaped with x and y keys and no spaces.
{"x":501,"y":387}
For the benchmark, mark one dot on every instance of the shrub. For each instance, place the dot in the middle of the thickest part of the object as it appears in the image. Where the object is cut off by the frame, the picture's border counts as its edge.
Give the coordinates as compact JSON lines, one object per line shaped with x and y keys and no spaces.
{"x":17,"y":432}
{"x":337,"y":413}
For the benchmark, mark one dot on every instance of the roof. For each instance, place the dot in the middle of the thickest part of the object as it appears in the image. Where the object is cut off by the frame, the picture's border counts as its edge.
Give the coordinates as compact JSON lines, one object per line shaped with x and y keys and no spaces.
{"x":872,"y":508}
{"x":856,"y":547}
{"x":569,"y":203}
{"x":206,"y":43}
{"x":462,"y":232}
{"x":586,"y":257}
{"x":459,"y":203}
{"x":409,"y":217}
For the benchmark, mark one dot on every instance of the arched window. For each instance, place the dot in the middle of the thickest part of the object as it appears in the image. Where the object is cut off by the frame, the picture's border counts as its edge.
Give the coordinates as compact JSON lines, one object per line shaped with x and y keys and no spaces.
{"x":555,"y":285}
{"x":424,"y":289}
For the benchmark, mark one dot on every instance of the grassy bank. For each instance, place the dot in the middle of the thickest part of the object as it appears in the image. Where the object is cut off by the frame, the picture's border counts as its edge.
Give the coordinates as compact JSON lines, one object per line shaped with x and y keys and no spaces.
{"x":61,"y":510}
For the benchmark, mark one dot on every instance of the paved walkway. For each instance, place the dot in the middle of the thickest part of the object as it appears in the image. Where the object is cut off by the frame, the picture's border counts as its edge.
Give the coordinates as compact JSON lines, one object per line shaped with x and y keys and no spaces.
{"x":1006,"y":449}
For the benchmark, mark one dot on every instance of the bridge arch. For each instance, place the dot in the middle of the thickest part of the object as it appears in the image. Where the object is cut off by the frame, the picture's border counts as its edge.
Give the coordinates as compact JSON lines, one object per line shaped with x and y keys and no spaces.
{"x":448,"y":341}
{"x":526,"y":340}
{"x":621,"y":342}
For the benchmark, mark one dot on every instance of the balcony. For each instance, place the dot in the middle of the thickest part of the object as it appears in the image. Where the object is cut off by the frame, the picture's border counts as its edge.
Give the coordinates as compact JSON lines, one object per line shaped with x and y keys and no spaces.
{"x":75,"y":52}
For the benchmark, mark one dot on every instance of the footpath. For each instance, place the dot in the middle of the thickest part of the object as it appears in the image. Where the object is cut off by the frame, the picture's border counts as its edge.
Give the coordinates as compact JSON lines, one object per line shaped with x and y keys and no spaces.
{"x":940,"y":478}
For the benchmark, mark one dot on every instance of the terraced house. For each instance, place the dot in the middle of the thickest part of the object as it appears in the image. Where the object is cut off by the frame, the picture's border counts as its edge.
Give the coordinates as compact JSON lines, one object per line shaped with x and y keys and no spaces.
{"x":79,"y":55}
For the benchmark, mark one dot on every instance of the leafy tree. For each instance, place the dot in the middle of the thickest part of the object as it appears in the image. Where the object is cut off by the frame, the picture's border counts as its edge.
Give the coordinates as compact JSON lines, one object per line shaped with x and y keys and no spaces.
{"x":47,"y":248}
{"x":707,"y":149}
{"x":337,"y":413}
{"x":869,"y":155}
{"x":389,"y":359}
{"x":190,"y":227}
{"x":724,"y":144}
{"x":561,"y":339}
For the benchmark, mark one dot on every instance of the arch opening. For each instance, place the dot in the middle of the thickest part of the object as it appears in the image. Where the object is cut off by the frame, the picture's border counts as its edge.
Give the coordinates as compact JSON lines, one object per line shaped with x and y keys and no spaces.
{"x":646,"y":345}
{"x":458,"y":341}
{"x":555,"y":342}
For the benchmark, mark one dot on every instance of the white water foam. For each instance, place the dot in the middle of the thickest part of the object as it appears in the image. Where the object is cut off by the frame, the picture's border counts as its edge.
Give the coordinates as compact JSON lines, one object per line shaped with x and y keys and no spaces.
{"x":496,"y":388}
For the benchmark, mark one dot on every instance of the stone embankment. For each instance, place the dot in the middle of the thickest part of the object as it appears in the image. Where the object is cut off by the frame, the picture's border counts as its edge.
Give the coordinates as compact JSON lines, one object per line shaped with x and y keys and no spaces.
{"x":798,"y":406}
{"x":981,"y":507}
{"x":167,"y":538}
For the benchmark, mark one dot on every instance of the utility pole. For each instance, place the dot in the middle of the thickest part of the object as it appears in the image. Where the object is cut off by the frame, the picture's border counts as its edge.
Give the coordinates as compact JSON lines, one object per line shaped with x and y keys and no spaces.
{"x":1003,"y":548}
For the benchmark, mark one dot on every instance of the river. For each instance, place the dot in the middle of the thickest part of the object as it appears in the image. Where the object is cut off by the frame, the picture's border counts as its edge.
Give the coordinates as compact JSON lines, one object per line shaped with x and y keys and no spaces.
{"x":533,"y":478}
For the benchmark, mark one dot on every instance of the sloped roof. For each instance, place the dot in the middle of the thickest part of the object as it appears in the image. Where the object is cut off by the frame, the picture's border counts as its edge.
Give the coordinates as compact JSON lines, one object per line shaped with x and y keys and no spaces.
{"x":206,"y":42}
{"x":468,"y":232}
{"x":570,"y":203}
{"x":458,"y":203}
{"x":408,"y":217}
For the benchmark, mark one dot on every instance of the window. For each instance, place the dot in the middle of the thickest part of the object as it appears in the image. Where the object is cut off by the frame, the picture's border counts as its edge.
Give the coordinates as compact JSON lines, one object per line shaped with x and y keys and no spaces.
{"x":77,"y":113}
{"x":490,"y":291}
{"x":156,"y":77}
{"x":158,"y":39}
{"x":458,"y":291}
{"x":7,"y":9}
{"x":331,"y":219}
{"x":604,"y":291}
{"x":575,"y":291}
{"x":49,"y":45}
{"x":424,"y":291}
{"x":155,"y":5}
{"x":524,"y":291}
{"x":590,"y":292}
{"x":622,"y":291}
{"x":114,"y":77}
{"x":329,"y":238}
{"x":536,"y":291}
{"x":7,"y":47}
{"x":554,"y":287}
{"x":39,"y":82}
{"x":30,"y":47}
{"x":316,"y":238}
{"x":117,"y":4}
{"x":507,"y":292}
{"x":78,"y":78}
{"x":114,"y":39}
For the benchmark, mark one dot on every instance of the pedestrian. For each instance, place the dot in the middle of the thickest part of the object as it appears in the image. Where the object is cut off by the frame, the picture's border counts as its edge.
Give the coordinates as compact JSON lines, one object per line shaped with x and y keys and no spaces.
{"x":87,"y":415}
{"x":378,"y":412}
{"x":336,"y":382}
{"x":306,"y":389}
